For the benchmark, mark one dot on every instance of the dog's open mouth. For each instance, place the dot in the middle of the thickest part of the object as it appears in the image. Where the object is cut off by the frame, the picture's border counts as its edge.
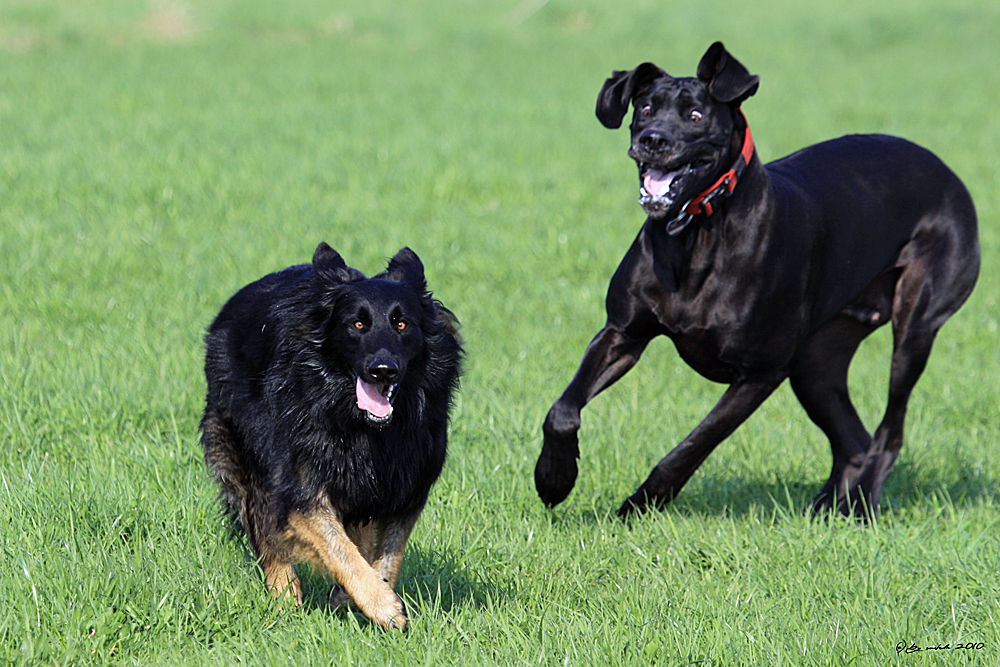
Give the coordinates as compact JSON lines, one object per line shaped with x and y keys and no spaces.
{"x":660,"y":187}
{"x":376,"y":400}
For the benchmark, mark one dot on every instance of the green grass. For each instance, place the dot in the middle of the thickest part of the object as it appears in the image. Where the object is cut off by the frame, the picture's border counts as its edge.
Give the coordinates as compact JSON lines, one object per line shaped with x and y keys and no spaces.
{"x":156,"y":156}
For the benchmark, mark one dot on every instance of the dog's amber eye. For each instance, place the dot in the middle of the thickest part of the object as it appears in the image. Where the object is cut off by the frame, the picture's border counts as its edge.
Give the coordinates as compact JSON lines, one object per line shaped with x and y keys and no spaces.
{"x":695,"y":115}
{"x":359,"y":325}
{"x":646,"y":110}
{"x":401,"y":325}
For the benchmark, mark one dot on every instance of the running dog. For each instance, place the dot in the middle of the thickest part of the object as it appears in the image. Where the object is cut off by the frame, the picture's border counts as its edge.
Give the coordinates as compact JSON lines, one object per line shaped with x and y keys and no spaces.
{"x":326,"y":420}
{"x":759,"y":273}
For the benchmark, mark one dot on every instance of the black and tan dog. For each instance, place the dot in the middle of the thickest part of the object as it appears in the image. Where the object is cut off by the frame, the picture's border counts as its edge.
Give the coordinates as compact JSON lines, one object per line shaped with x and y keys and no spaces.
{"x":759,"y":273}
{"x":326,"y":420}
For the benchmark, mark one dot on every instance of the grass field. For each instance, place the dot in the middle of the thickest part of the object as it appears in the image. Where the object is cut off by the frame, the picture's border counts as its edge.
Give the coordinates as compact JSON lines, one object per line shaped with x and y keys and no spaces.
{"x":156,"y":156}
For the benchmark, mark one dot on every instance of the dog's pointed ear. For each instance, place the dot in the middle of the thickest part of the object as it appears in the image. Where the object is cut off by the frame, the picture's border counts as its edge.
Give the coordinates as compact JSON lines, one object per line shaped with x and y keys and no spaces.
{"x":727,"y":80}
{"x":620,"y":89}
{"x":407,"y":268}
{"x":330,"y":266}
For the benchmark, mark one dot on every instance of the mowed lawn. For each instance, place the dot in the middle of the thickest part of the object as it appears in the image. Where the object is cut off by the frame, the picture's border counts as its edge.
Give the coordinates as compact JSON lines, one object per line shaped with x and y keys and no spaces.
{"x":156,"y":156}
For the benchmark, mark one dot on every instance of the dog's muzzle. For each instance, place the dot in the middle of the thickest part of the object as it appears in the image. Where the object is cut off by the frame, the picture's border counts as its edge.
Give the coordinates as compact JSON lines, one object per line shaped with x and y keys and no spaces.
{"x":658,"y":188}
{"x":375,"y":400}
{"x":655,"y":206}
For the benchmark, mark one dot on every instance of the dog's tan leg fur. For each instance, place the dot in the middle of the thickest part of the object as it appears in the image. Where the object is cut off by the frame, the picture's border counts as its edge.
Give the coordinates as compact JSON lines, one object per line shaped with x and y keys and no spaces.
{"x":381,"y":544}
{"x":365,"y":537}
{"x":392,"y":540}
{"x":281,"y":579}
{"x":325,"y":538}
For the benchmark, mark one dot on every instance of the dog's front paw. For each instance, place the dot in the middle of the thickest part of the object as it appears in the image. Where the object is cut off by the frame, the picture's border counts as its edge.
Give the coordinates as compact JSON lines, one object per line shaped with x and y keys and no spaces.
{"x":556,"y":470}
{"x":554,"y":477}
{"x":377,"y":601}
{"x":391,"y":614}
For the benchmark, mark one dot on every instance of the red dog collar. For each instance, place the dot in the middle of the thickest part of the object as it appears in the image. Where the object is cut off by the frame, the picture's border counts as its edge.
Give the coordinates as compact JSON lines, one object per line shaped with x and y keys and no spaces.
{"x":722,"y":187}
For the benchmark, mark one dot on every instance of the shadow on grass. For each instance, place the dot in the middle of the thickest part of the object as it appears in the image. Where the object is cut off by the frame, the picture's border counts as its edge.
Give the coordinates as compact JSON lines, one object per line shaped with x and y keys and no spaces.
{"x":437,"y":580}
{"x":908,"y":486}
{"x":429,"y":581}
{"x":961,"y":485}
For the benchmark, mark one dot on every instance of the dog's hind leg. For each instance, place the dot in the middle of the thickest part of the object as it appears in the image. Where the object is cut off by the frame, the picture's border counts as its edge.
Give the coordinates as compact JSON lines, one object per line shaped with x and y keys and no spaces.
{"x":911,"y":349}
{"x":222,"y":457}
{"x":819,"y":381}
{"x":280,"y":578}
{"x":939,"y":269}
{"x":608,"y":357}
{"x":245,"y":503}
{"x":676,"y":468}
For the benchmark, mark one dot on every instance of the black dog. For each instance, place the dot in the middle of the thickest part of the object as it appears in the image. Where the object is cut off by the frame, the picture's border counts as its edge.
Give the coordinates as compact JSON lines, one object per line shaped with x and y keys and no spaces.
{"x":326,"y":420}
{"x":760,"y":273}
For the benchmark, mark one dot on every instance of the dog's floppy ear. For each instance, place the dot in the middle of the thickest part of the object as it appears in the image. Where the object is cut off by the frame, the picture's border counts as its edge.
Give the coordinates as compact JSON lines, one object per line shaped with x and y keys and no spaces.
{"x":619,"y":90}
{"x":407,"y":268}
{"x":330,"y":266}
{"x":728,"y":81}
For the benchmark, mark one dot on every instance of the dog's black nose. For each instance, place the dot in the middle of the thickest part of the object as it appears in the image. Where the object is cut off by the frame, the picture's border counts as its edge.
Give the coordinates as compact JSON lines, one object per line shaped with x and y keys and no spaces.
{"x":383,"y":372}
{"x":653,"y":141}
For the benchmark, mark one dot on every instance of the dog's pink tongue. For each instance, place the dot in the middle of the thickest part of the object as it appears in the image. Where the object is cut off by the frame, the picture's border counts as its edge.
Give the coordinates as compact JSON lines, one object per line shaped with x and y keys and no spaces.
{"x":657,"y":183}
{"x":371,"y":400}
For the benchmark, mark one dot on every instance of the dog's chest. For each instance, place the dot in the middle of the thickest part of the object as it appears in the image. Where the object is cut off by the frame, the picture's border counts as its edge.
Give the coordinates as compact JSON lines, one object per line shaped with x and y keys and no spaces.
{"x":368,"y":474}
{"x":700,"y":349}
{"x":721,"y":336}
{"x":724,"y":320}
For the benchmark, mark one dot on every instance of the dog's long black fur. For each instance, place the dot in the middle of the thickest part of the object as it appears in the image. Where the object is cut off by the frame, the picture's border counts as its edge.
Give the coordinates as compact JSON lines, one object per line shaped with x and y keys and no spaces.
{"x":284,"y":431}
{"x":781,"y":277}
